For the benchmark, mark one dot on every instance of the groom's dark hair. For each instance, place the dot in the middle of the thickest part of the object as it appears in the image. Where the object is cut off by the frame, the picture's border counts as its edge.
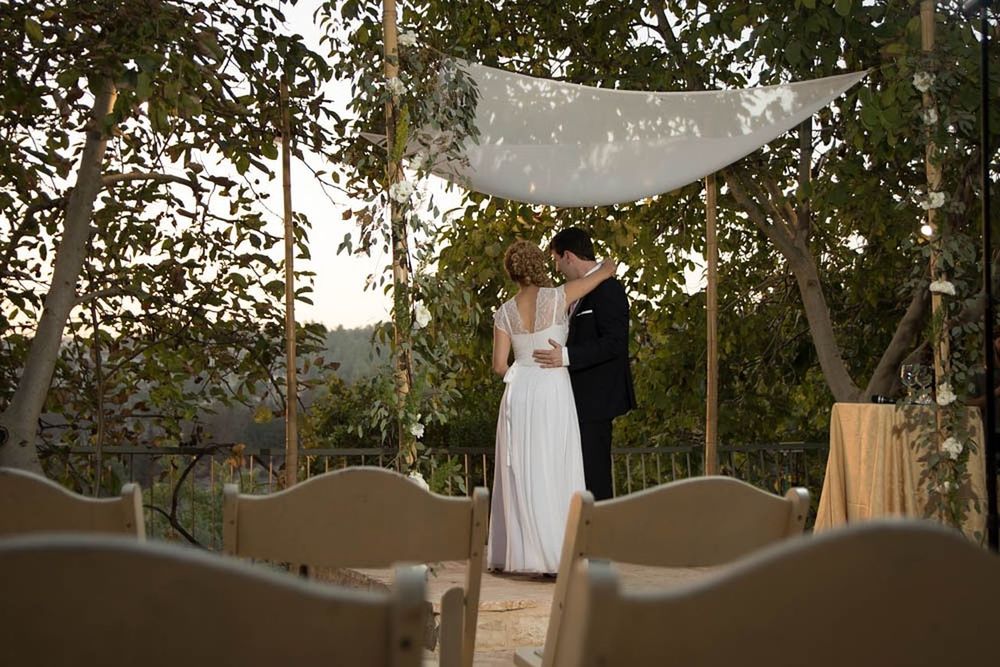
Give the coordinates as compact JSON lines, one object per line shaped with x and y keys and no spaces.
{"x":574,"y":240}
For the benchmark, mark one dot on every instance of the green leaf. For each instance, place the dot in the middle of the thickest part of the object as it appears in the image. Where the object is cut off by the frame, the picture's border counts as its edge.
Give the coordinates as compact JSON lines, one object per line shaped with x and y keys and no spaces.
{"x":842,"y":7}
{"x":870,"y":116}
{"x":143,"y":86}
{"x":68,"y":77}
{"x":793,"y":53}
{"x":34,"y":30}
{"x":894,"y":49}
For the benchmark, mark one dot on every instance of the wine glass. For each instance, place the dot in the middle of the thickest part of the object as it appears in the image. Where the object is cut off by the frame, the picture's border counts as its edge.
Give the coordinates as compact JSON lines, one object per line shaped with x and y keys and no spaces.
{"x":908,"y":375}
{"x":924,"y":380}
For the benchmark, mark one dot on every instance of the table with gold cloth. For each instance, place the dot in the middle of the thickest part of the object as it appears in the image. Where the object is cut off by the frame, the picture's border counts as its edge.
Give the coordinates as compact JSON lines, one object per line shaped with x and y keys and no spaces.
{"x":873,"y":468}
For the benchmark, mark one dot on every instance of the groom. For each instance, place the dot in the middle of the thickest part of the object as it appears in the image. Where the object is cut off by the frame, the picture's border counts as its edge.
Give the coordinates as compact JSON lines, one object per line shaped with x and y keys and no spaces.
{"x":596,"y":353}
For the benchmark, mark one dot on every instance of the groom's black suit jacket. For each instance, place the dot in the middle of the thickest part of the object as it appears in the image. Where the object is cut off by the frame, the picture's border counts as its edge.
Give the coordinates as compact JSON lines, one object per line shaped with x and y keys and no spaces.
{"x":598,"y":354}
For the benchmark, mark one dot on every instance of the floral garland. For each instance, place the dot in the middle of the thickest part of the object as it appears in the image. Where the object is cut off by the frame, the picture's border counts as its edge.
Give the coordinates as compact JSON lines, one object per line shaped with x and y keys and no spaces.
{"x":436,"y":102}
{"x":946,"y":439}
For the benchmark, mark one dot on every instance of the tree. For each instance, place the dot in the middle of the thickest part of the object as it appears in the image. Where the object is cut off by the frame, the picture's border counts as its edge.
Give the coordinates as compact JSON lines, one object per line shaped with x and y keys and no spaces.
{"x":824,"y":277}
{"x":159,"y":268}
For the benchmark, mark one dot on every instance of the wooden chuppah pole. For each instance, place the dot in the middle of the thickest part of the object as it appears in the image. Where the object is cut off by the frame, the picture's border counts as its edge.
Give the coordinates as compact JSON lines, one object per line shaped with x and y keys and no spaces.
{"x":400,"y":255}
{"x":942,"y":347}
{"x":291,"y":368}
{"x":712,"y":318}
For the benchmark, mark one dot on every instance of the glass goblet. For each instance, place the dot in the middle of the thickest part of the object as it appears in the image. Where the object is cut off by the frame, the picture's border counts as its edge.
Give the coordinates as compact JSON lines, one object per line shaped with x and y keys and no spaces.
{"x":908,"y":376}
{"x":924,"y":380}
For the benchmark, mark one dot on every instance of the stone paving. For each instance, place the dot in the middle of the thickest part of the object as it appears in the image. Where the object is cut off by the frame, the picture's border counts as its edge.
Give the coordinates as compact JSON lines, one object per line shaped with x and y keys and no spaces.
{"x":514,"y":609}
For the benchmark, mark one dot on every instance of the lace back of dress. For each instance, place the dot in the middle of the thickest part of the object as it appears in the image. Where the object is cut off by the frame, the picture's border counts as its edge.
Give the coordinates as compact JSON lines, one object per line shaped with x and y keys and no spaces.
{"x":513,"y":318}
{"x":550,"y":307}
{"x":550,"y":310}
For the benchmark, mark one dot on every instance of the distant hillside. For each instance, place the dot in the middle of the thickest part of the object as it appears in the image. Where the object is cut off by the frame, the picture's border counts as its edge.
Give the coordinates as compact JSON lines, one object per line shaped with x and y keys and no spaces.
{"x":353,"y":349}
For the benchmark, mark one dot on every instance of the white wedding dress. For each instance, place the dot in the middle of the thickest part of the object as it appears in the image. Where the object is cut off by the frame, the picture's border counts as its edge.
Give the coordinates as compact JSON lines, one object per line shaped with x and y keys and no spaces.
{"x":539,"y":462}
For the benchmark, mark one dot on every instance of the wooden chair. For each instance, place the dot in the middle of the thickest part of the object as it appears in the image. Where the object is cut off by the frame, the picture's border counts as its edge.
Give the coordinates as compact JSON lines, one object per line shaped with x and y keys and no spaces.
{"x":874,"y":594}
{"x":111,"y":601}
{"x":369,"y":517}
{"x":34,"y":504}
{"x":700,"y":521}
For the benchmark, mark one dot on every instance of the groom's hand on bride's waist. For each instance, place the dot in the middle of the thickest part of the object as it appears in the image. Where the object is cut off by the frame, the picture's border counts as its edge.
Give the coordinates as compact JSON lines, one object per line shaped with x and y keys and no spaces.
{"x":551,"y":357}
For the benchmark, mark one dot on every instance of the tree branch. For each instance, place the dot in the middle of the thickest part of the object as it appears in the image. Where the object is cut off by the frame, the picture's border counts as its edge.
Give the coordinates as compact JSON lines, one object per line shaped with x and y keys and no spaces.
{"x":107,"y":181}
{"x":780,"y":206}
{"x":779,"y":236}
{"x":803,"y":216}
{"x":99,"y":294}
{"x":906,"y":332}
{"x":662,"y":27}
{"x":803,"y":266}
{"x":133,"y":176}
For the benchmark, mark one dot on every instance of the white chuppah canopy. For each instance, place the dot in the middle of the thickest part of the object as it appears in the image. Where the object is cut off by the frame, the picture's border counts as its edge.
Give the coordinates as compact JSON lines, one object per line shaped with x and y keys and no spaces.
{"x":563,"y":144}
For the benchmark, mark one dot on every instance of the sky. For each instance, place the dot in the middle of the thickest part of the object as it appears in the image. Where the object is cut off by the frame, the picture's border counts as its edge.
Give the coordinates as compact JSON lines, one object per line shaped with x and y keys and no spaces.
{"x":340,"y":297}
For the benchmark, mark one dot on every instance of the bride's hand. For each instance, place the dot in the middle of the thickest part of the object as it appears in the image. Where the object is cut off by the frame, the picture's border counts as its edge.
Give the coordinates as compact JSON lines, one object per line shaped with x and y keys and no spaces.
{"x":610,"y":267}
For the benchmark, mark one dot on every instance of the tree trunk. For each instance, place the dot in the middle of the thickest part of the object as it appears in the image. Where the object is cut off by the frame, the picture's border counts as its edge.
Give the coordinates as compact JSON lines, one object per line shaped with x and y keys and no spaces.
{"x":905,"y":337}
{"x":19,"y":422}
{"x":821,"y":327}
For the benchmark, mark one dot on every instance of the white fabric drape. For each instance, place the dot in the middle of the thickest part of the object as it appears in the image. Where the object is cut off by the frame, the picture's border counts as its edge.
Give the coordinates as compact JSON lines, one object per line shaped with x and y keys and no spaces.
{"x":562,"y":144}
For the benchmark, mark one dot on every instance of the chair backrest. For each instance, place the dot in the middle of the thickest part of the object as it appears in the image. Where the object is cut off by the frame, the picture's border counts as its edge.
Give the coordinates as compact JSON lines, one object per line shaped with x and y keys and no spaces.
{"x":699,"y":521}
{"x":106,"y":600}
{"x":33,"y":504}
{"x":880,"y":593}
{"x":363,"y":517}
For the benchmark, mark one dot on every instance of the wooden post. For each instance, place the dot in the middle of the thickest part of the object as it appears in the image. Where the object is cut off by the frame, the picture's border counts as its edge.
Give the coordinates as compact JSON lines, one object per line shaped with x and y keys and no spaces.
{"x":291,"y":371}
{"x":712,"y":317}
{"x":99,"y":391}
{"x":400,"y":246}
{"x":942,"y":347}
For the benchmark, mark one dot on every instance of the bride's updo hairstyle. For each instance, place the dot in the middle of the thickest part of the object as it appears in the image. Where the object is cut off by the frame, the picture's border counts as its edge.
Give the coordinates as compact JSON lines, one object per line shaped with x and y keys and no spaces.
{"x":526,"y":264}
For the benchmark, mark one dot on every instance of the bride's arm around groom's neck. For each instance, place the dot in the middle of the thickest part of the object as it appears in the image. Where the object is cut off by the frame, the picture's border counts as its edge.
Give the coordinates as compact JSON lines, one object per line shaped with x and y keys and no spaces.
{"x":580,"y":287}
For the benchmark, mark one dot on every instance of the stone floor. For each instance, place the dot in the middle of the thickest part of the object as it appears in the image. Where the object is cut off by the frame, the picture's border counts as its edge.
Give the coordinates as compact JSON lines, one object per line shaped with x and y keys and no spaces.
{"x":514,"y":609}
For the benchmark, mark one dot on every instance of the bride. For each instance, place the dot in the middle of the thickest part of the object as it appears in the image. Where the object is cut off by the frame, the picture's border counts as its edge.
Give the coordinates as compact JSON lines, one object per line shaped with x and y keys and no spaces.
{"x":539,"y":462}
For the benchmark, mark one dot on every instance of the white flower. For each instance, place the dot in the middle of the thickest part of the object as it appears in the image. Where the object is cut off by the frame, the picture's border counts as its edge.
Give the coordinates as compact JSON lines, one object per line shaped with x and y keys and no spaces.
{"x":942,"y":287}
{"x":401,"y":191}
{"x":945,"y":396}
{"x":421,"y":316}
{"x":933,"y":200}
{"x":930,"y":116}
{"x":922,"y":81}
{"x":417,"y":430}
{"x":952,"y":447}
{"x":419,"y":480}
{"x":407,"y":39}
{"x":395,"y":86}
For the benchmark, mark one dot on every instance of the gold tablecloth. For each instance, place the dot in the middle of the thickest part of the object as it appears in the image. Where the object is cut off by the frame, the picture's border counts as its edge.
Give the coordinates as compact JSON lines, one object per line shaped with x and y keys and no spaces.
{"x":872,"y":470}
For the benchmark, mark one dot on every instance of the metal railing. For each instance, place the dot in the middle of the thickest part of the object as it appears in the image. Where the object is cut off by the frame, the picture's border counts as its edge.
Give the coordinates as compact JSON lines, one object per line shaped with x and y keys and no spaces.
{"x":182,"y":486}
